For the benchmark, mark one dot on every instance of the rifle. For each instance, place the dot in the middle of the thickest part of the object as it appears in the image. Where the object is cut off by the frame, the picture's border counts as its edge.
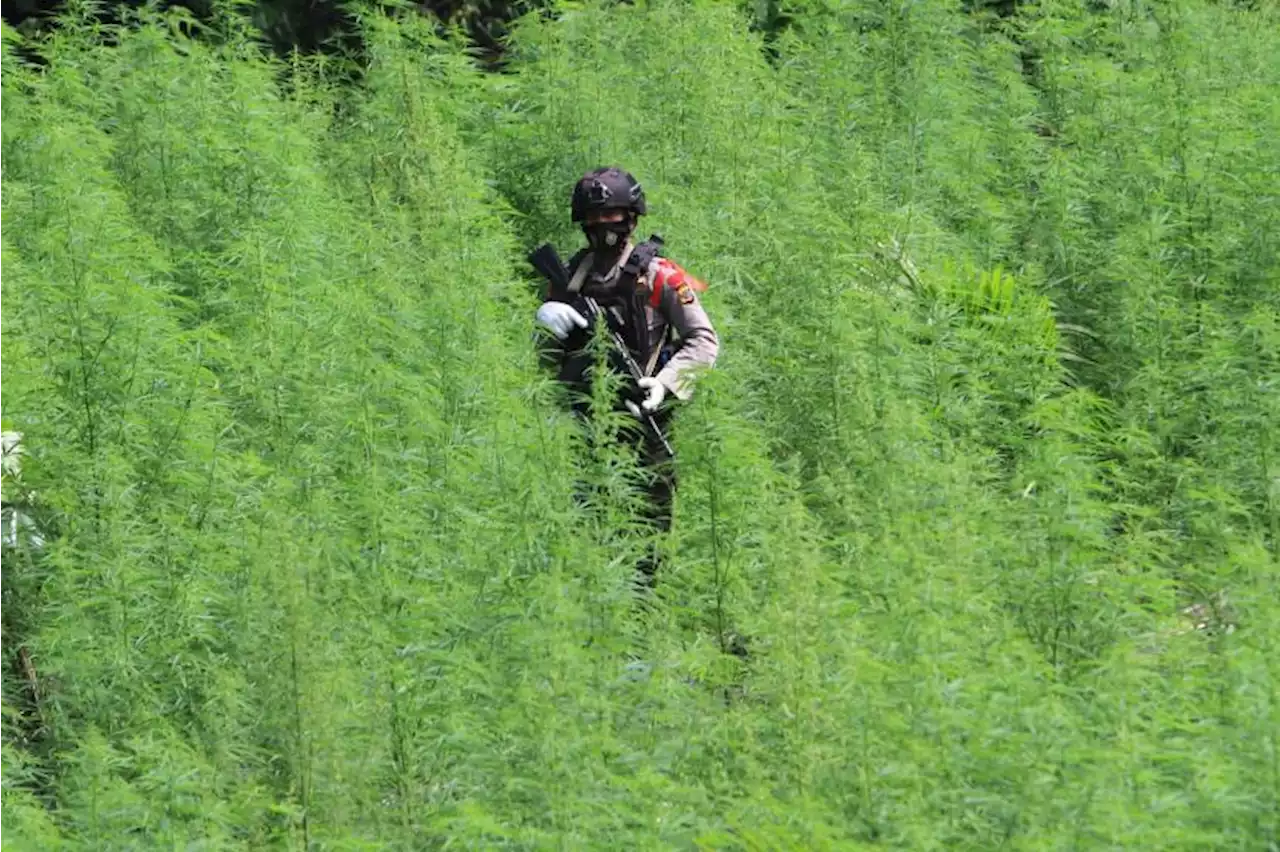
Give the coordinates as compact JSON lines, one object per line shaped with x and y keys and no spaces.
{"x":545,"y":259}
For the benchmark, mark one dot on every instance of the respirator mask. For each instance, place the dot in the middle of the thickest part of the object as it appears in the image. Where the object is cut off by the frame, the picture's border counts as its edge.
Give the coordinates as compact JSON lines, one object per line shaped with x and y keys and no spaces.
{"x":608,"y":236}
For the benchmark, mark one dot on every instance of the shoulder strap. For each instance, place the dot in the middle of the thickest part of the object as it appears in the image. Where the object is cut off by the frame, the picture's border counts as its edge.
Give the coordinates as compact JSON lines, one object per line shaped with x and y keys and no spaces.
{"x":580,"y":274}
{"x":636,"y":265}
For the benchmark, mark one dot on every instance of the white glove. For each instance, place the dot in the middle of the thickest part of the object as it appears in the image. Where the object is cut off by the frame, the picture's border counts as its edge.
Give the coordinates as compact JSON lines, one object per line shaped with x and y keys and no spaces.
{"x":657,"y":392}
{"x":560,"y":318}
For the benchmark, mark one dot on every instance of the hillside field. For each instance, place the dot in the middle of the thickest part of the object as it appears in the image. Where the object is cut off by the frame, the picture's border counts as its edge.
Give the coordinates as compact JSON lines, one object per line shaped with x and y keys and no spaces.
{"x":987,"y":476}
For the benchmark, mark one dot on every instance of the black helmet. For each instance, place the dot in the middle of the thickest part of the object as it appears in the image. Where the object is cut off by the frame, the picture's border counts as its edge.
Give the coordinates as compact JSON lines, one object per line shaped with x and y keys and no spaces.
{"x":607,"y":189}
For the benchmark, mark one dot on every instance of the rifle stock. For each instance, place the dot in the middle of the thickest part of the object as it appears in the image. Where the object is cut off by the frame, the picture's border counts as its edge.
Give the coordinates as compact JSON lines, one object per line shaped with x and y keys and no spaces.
{"x":545,"y":259}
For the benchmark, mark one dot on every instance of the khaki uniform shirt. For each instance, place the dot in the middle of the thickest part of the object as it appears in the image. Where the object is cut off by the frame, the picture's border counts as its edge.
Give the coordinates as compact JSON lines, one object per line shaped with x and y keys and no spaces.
{"x":671,"y":303}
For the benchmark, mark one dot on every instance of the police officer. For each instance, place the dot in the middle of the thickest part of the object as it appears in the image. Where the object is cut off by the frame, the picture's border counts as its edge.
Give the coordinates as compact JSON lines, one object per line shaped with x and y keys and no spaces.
{"x":651,"y":301}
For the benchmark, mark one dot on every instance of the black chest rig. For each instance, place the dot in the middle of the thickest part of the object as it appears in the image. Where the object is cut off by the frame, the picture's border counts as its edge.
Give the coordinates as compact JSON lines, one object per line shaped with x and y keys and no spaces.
{"x":621,"y":301}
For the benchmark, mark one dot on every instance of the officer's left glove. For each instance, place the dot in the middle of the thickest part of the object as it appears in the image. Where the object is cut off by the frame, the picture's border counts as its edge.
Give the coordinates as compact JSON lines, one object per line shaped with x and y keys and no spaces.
{"x":655,"y":392}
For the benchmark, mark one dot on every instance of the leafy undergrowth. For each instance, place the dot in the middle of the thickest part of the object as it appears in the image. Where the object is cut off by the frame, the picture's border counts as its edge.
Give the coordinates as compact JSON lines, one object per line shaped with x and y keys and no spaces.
{"x":985,"y":479}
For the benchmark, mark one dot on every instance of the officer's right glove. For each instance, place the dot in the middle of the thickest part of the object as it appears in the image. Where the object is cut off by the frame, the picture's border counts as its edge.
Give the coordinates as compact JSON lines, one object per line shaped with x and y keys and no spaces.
{"x":560,"y":318}
{"x":654,"y":391}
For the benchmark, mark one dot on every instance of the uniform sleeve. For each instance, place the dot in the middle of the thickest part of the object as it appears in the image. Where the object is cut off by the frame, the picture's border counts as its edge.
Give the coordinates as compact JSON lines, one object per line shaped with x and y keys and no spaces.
{"x":675,"y":292}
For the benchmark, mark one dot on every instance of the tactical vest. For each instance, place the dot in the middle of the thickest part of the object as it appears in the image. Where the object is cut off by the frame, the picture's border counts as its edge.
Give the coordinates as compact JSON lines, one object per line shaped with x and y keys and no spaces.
{"x":621,"y":300}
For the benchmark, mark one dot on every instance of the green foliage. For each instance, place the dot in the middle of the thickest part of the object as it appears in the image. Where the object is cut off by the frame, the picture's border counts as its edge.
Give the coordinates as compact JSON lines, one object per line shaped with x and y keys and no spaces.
{"x":975,"y":541}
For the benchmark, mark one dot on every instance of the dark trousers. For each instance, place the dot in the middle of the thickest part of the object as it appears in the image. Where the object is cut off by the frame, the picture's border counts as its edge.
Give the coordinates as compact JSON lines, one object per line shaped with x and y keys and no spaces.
{"x":658,"y":483}
{"x":660,"y":487}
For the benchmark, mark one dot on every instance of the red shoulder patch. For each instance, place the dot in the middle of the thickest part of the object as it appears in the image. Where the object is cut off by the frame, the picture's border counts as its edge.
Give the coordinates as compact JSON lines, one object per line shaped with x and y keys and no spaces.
{"x":671,"y":274}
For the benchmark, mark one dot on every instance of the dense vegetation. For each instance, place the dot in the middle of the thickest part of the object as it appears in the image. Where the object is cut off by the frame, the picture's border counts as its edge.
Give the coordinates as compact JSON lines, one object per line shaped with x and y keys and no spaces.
{"x":988,"y":474}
